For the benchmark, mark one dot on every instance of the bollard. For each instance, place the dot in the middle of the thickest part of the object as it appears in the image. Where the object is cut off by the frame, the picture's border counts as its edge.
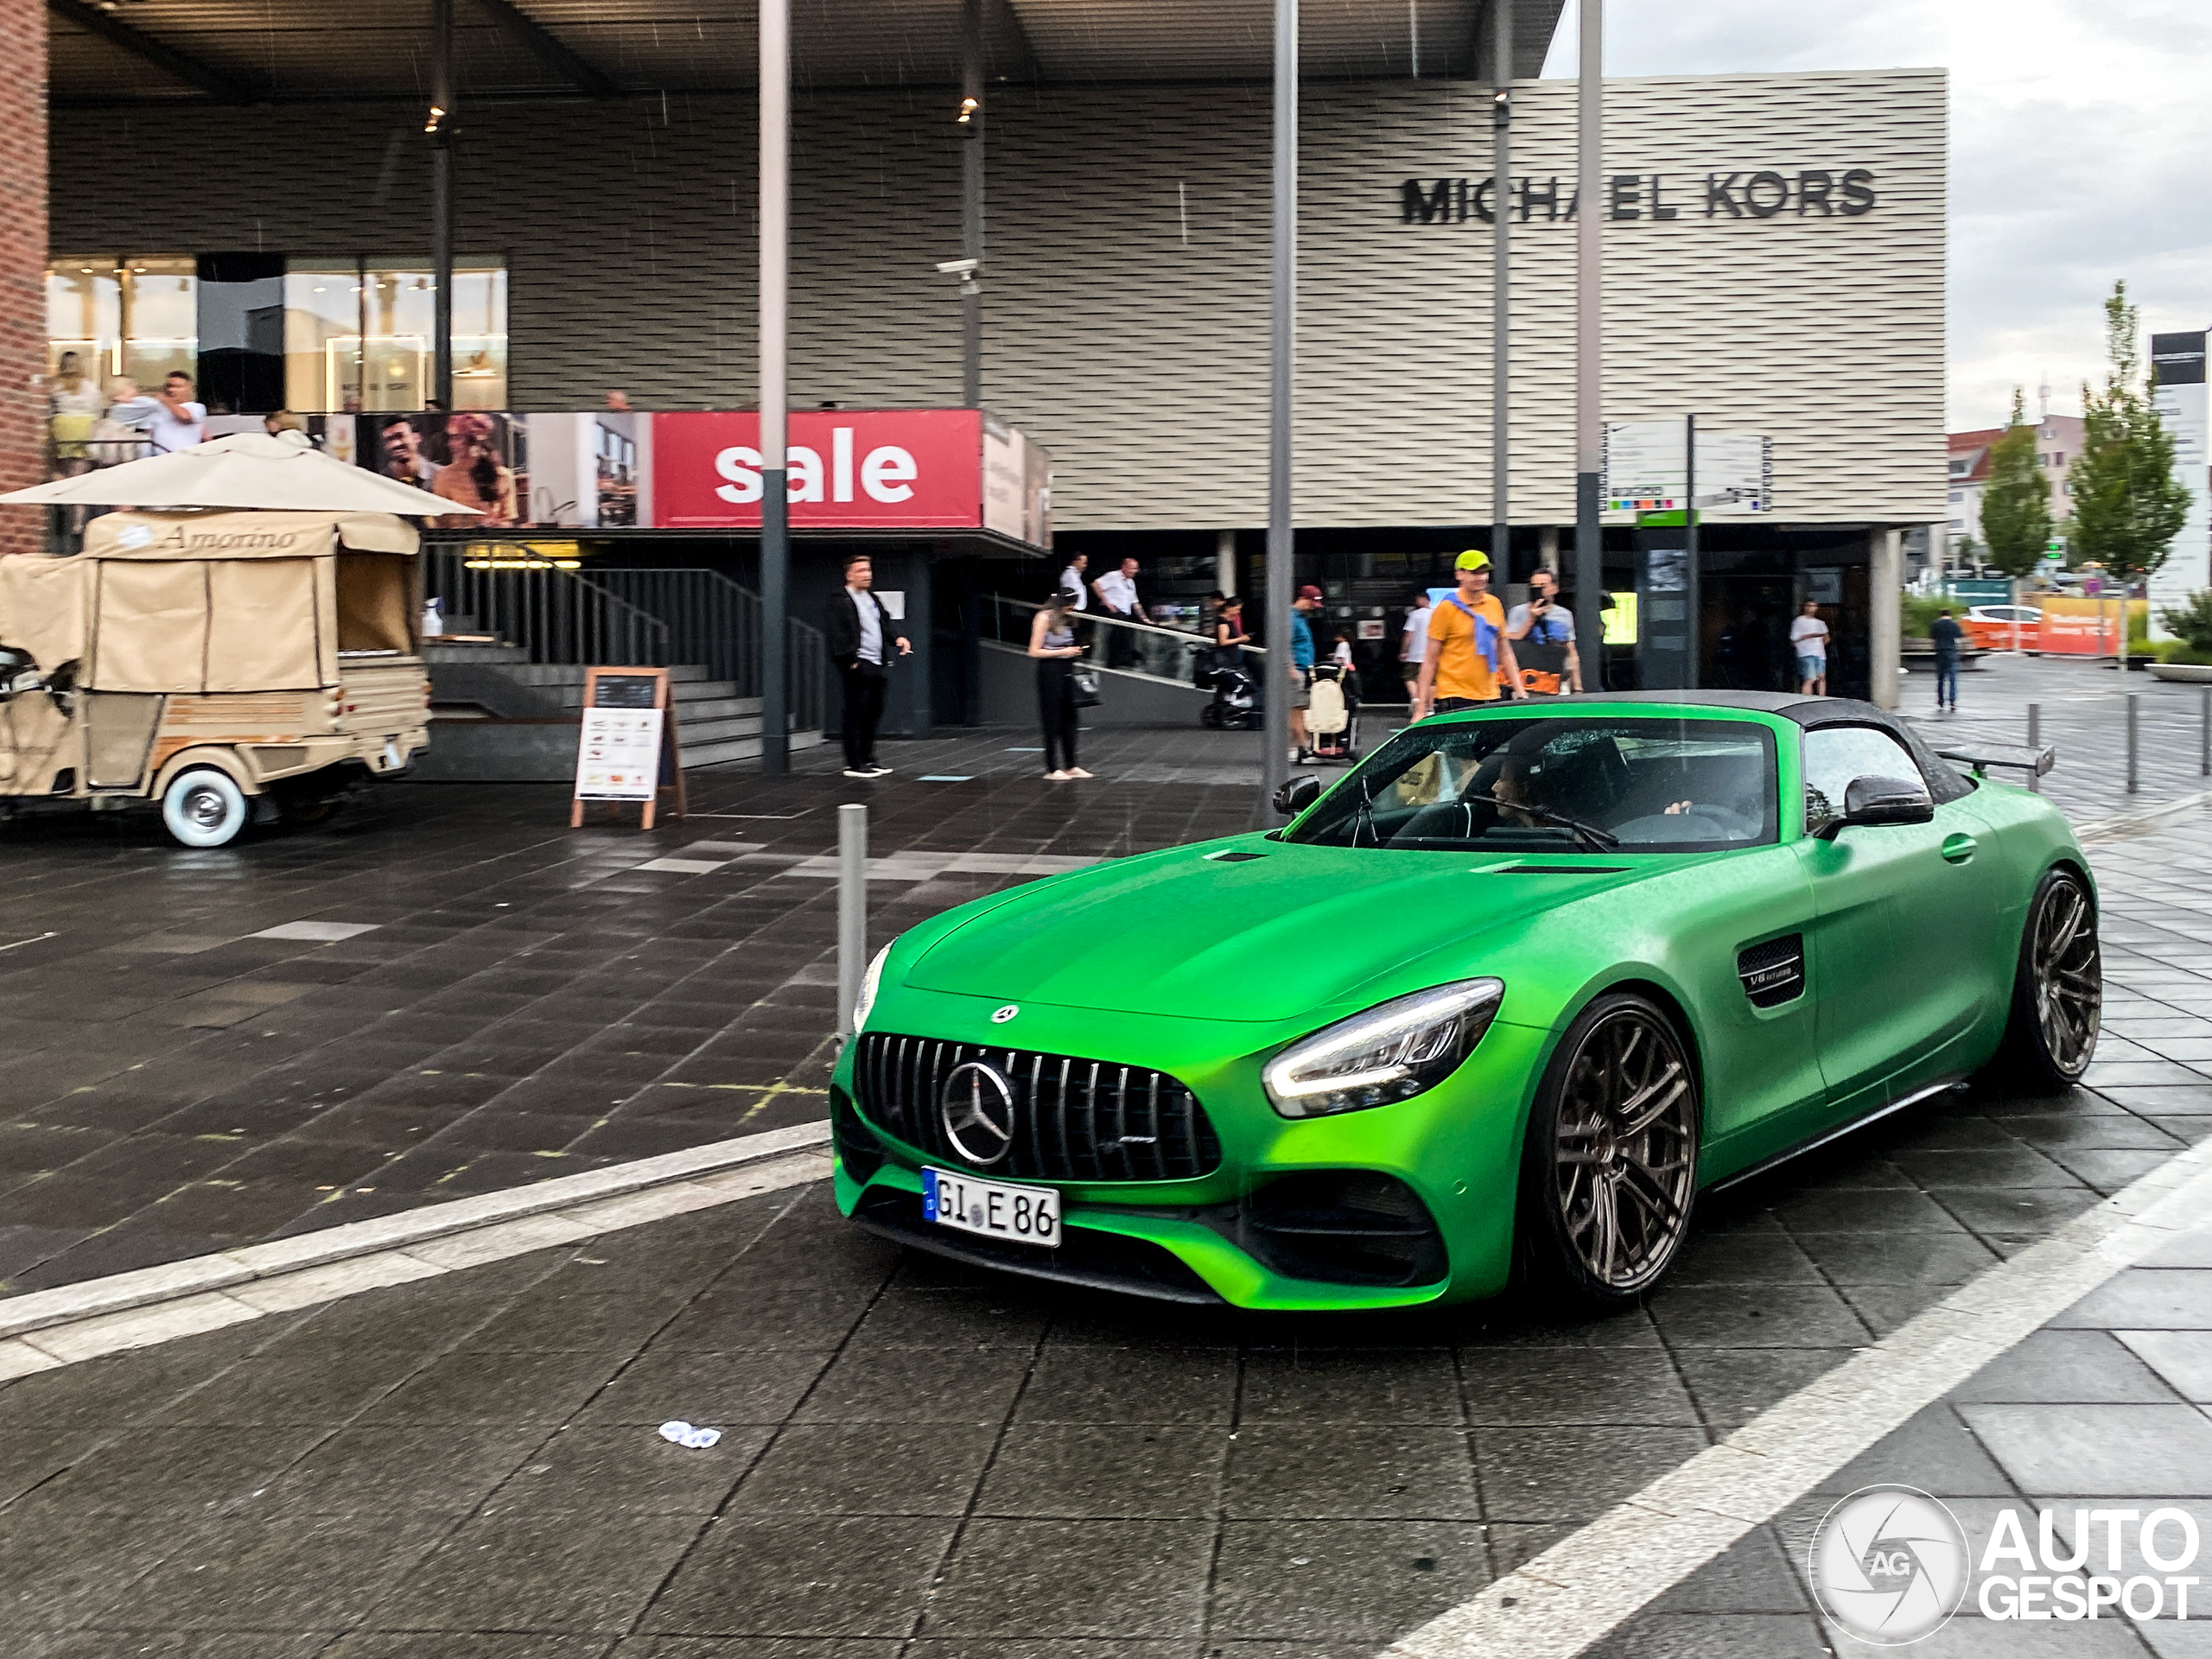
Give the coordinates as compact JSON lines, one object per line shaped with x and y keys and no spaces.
{"x":2133,"y":699}
{"x":2035,"y":742}
{"x":852,"y":910}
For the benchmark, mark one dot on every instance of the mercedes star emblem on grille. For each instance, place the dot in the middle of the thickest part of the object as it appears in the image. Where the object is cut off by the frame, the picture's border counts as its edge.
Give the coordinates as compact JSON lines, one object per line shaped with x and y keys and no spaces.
{"x":999,"y":1016}
{"x":977,"y":1111}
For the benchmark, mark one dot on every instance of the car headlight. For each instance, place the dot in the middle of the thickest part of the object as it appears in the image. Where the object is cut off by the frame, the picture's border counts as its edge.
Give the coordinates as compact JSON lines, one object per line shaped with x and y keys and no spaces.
{"x":1394,"y":1050}
{"x":869,"y":982}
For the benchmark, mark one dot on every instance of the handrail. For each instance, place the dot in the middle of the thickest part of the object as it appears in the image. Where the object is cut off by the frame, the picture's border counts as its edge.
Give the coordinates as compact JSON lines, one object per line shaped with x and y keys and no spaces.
{"x":557,"y":614}
{"x":1145,"y":649}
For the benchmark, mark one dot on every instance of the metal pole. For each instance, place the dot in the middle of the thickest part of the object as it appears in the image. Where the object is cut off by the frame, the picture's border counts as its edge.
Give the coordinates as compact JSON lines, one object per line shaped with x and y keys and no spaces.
{"x":1589,"y":350}
{"x":439,"y":127}
{"x":1282,"y":323}
{"x":1501,"y":292}
{"x":971,"y":201}
{"x":852,"y":910}
{"x":775,"y":395}
{"x":2205,"y":732}
{"x":2035,"y":742}
{"x":1694,"y":634}
{"x":2133,"y":750}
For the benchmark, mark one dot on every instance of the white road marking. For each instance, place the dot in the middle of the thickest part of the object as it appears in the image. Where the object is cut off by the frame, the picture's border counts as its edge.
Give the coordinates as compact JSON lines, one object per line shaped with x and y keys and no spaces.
{"x":1592,"y":1580}
{"x":51,"y":1328}
{"x":38,"y":939}
{"x":319,"y":932}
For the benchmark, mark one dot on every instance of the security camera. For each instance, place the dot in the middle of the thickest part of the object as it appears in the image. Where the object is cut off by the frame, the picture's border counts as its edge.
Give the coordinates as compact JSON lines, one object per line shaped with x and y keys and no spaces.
{"x":959,"y":267}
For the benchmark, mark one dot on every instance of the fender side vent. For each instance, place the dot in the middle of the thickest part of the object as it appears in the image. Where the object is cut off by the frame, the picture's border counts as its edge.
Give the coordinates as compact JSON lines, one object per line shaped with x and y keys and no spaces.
{"x":1773,"y":972}
{"x":1234,"y":858}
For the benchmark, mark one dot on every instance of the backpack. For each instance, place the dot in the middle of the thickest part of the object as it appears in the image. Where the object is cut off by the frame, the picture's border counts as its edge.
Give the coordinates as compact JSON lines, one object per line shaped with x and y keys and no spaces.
{"x":1326,"y":710}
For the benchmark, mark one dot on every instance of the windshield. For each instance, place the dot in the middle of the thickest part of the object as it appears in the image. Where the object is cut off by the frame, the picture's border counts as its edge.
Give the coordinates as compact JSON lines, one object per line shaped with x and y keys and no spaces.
{"x":1555,"y":785}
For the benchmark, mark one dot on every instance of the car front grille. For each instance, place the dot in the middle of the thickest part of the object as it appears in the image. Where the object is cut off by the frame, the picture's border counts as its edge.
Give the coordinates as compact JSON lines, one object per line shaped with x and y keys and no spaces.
{"x":1074,"y":1120}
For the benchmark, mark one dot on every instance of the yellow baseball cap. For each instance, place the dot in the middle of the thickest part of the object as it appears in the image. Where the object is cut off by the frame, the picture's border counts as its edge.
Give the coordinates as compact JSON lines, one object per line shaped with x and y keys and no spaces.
{"x":1473,"y":559}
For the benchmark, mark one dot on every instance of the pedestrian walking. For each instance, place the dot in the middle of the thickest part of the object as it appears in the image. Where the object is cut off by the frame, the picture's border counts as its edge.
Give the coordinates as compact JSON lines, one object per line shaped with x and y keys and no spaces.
{"x":1118,"y":596}
{"x":1469,"y":659}
{"x":1052,"y":642}
{"x":1413,"y":651}
{"x":1945,"y":634}
{"x":1542,"y":632}
{"x":1808,"y":643}
{"x":1072,"y":581}
{"x":1301,"y":671}
{"x":857,"y":633}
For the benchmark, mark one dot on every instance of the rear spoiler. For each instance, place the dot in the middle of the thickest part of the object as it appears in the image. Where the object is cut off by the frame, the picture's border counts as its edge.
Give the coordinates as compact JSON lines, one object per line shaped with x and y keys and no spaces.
{"x":2033,"y":759}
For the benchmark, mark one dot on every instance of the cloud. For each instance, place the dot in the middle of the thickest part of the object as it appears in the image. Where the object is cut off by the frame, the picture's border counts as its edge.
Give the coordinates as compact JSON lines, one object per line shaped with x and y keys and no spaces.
{"x":2079,"y":129}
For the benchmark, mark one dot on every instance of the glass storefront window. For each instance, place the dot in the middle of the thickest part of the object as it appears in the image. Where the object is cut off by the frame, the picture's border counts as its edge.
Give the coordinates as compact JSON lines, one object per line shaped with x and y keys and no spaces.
{"x":134,"y":315}
{"x":357,"y":333}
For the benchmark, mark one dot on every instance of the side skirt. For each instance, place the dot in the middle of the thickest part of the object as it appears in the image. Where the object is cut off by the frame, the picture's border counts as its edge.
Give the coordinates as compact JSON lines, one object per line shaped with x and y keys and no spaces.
{"x":1789,"y":1154}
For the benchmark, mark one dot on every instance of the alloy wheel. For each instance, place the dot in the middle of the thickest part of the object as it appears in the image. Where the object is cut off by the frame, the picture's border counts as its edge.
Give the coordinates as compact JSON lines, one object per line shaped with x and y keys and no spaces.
{"x":2069,"y":976}
{"x":1624,"y":1160}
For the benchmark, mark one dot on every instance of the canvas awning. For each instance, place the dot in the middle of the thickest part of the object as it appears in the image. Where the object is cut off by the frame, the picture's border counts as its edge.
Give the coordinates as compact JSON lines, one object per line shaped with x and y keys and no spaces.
{"x":245,"y":535}
{"x":248,"y":469}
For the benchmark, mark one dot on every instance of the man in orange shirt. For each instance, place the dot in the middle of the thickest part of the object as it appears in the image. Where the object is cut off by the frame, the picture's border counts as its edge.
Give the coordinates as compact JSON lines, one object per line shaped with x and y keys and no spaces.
{"x":1470,"y":658}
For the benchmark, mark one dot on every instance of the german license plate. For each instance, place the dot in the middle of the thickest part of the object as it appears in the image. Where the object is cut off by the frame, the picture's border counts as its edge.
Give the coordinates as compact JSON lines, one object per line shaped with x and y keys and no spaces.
{"x":1026,"y":1215}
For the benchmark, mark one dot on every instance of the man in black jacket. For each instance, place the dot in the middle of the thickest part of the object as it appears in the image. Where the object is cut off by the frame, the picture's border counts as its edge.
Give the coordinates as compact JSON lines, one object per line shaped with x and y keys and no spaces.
{"x":857,"y":631}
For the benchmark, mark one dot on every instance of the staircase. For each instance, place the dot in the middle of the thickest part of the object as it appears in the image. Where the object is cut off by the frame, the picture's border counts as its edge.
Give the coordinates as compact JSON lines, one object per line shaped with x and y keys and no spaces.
{"x":497,"y":717}
{"x":506,"y":709}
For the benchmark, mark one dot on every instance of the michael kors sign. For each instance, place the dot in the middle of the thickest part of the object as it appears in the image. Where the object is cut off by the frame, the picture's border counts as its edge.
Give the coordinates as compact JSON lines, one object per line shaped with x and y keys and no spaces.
{"x":1764,"y":192}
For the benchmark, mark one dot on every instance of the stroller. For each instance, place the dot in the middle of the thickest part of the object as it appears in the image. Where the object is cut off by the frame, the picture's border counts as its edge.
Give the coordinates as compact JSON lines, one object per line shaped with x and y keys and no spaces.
{"x":1237,"y":706}
{"x":1333,"y":715}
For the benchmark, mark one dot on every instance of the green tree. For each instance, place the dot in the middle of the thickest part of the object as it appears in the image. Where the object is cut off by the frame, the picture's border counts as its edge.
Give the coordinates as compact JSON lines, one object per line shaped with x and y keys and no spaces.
{"x":2127,"y":508}
{"x":2015,"y":502}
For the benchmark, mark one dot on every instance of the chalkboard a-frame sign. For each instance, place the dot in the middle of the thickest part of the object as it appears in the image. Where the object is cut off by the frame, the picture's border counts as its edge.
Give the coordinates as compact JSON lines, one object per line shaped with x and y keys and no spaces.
{"x":625,"y":745}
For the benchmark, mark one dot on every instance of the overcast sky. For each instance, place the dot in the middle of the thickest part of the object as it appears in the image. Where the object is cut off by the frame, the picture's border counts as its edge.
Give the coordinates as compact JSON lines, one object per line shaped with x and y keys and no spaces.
{"x":2080,"y":146}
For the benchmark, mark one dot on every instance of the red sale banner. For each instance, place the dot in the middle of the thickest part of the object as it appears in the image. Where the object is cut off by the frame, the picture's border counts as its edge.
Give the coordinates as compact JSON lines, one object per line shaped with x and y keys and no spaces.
{"x":848,"y":469}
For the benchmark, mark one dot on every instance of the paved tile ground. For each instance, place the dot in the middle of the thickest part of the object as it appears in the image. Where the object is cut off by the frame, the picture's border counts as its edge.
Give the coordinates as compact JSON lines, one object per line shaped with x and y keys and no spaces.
{"x":526,"y":1000}
{"x":915,"y":1458}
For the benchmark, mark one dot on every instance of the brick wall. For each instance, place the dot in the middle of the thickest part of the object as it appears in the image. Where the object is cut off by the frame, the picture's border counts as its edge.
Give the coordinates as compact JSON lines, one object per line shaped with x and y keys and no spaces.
{"x":23,"y":262}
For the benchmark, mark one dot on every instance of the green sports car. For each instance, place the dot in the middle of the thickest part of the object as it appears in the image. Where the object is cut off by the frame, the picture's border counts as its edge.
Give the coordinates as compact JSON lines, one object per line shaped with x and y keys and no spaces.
{"x":1491,"y":1010}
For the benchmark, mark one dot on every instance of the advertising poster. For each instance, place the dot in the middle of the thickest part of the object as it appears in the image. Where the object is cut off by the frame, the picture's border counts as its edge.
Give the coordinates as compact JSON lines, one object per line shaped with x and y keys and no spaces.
{"x":618,"y":754}
{"x":476,"y":458}
{"x":2177,"y":362}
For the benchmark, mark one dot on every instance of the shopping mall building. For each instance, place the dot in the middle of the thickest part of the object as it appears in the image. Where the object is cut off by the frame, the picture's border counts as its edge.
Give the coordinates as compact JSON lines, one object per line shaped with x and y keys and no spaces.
{"x":249,"y":199}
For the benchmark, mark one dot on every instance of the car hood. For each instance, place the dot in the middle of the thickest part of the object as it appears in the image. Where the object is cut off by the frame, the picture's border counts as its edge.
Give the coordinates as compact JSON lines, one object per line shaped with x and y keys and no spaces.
{"x":1179,"y":932}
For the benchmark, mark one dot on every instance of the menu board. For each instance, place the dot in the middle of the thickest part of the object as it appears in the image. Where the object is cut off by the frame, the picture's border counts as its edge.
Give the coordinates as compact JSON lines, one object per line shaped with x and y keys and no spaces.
{"x":626,"y":742}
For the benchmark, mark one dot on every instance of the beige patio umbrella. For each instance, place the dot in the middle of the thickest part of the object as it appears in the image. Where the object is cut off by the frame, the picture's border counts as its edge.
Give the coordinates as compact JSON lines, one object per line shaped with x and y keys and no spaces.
{"x":248,"y":469}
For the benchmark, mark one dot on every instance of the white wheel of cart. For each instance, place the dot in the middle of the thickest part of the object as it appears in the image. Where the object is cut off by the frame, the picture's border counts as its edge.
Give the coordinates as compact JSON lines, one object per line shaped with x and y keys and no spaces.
{"x":203,"y":807}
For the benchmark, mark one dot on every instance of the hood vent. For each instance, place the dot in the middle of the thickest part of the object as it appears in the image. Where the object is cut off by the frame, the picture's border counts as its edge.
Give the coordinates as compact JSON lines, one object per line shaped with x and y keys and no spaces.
{"x":1774,"y":972}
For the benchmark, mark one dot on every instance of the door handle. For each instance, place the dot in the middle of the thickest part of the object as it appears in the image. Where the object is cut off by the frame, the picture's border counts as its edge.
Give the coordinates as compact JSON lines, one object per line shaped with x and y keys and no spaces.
{"x":1957,"y":850}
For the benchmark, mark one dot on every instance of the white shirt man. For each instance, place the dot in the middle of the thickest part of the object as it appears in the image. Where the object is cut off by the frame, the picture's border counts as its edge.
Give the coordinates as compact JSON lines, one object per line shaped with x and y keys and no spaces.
{"x":1808,"y":643}
{"x":1071,"y":581}
{"x":1118,"y":588}
{"x":179,"y":422}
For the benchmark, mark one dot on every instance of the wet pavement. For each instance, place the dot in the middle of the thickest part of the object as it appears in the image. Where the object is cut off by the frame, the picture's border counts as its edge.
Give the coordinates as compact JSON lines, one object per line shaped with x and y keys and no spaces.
{"x":919,"y":1460}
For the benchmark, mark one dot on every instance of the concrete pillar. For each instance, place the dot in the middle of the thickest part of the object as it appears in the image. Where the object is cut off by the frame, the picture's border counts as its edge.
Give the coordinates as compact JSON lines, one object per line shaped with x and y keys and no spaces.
{"x":1884,"y":588}
{"x":22,"y":266}
{"x":1224,"y":561}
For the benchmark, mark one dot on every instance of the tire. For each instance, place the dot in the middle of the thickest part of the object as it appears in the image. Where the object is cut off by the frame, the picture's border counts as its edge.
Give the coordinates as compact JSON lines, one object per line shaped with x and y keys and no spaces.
{"x":2058,"y":989}
{"x":1604,"y":1213}
{"x":203,"y":807}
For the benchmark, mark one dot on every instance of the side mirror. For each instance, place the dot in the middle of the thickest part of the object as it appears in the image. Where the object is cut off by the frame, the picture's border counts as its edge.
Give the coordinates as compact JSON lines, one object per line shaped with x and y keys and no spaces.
{"x":1296,"y":794}
{"x":1883,"y":800}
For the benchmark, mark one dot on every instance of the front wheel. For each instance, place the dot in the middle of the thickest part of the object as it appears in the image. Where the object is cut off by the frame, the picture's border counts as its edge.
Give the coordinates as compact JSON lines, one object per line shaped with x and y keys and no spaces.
{"x":203,"y":807}
{"x":1608,"y":1168}
{"x":2057,"y":987}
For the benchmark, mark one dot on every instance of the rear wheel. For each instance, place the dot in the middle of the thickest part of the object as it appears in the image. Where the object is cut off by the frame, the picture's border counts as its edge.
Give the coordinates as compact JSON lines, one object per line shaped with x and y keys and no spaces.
{"x":203,"y":807}
{"x":1609,"y":1169}
{"x":2057,"y":987}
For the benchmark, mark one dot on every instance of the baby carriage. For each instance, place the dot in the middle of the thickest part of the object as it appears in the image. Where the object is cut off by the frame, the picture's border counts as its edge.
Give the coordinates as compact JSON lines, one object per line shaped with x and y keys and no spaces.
{"x":1235,"y":706}
{"x":1333,"y":715}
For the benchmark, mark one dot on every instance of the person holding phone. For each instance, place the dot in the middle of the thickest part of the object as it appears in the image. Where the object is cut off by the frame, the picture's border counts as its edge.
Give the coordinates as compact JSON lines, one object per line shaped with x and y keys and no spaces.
{"x":1052,"y":642}
{"x":1542,"y":632}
